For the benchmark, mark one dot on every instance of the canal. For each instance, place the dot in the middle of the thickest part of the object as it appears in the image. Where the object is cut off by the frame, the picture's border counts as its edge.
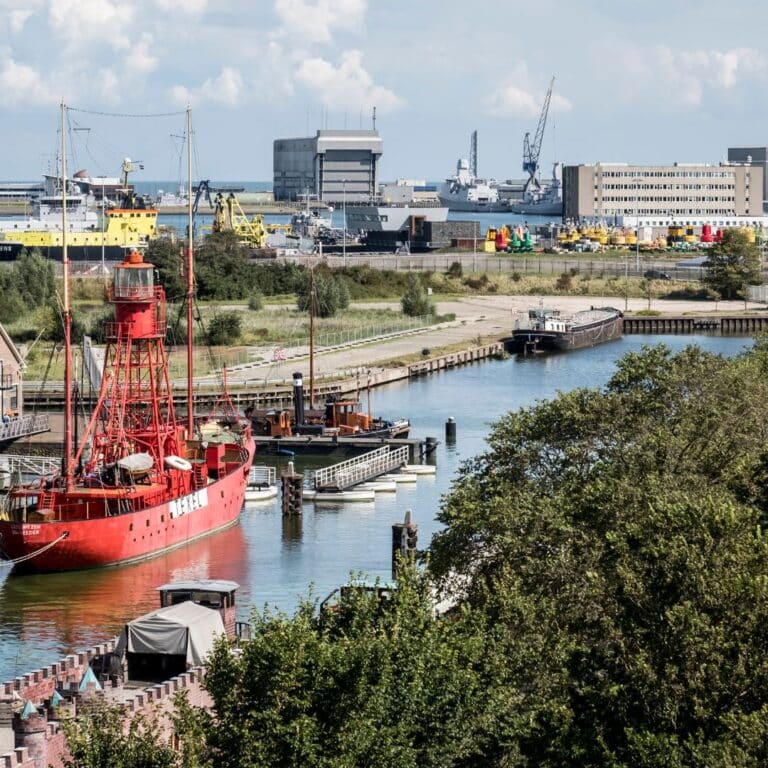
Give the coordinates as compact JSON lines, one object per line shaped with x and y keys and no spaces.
{"x":276,"y":562}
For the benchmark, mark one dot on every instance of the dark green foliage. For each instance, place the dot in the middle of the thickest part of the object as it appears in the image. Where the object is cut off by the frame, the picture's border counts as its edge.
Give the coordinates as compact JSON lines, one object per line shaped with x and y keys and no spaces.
{"x":732,"y":264}
{"x":168,"y":256}
{"x":28,"y":284}
{"x":331,"y":294}
{"x":256,"y":301}
{"x":415,"y":302}
{"x":223,"y":328}
{"x":97,"y":740}
{"x":615,"y":540}
{"x":367,"y":684}
{"x":455,"y":270}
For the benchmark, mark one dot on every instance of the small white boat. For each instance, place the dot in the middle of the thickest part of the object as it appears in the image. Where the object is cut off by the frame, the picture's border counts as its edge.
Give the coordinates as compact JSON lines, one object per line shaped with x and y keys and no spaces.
{"x":378,"y":486}
{"x":400,"y":477}
{"x":261,"y":485}
{"x":420,"y":469}
{"x":352,"y":495}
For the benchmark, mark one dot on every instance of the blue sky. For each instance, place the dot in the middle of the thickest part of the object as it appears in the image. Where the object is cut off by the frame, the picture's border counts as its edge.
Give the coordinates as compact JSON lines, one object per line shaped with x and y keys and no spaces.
{"x":650,"y":81}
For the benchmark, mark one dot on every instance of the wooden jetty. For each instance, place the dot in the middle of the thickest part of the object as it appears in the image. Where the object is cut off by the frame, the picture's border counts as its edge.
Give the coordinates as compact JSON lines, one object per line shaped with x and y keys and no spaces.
{"x":725,"y":324}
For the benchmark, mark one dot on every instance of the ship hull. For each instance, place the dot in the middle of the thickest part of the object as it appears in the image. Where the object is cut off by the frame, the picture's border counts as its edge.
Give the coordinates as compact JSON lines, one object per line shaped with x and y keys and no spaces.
{"x":531,"y":341}
{"x":132,"y":536}
{"x":10,"y":251}
{"x":537,"y":209}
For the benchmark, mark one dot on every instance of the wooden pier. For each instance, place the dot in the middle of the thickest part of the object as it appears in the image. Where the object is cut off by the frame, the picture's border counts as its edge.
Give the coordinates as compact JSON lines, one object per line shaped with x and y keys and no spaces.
{"x":418,"y":448}
{"x":726,"y":324}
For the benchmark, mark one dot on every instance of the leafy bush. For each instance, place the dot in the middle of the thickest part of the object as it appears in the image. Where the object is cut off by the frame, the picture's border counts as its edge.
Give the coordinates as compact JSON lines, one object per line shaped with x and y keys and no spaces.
{"x":256,"y":301}
{"x":455,"y":270}
{"x":224,"y":329}
{"x":564,"y":282}
{"x":331,"y":295}
{"x":415,"y":301}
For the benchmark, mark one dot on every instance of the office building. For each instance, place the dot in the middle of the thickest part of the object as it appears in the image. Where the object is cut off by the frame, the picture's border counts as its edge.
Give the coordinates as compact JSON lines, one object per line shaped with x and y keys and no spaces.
{"x":679,"y":192}
{"x":757,"y":156}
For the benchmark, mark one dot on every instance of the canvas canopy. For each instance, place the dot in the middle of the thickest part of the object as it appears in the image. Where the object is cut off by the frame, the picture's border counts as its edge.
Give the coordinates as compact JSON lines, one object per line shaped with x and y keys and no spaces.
{"x":185,"y":629}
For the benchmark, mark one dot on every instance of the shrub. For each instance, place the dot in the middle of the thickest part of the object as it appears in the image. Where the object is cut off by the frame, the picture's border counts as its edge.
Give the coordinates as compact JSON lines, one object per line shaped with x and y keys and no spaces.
{"x":455,"y":270}
{"x":223,"y":329}
{"x":516,"y":277}
{"x":256,"y":301}
{"x":415,"y":301}
{"x":564,"y":282}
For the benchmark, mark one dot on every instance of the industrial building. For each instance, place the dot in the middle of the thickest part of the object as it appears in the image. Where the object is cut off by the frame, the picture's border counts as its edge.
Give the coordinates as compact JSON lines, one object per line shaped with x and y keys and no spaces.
{"x":680,"y":192}
{"x":757,"y":156}
{"x":332,"y":166}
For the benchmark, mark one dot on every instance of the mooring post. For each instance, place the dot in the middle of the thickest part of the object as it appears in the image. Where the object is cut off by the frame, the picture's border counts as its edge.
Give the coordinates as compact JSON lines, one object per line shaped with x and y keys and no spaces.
{"x":293,"y":490}
{"x":450,"y":430}
{"x":405,"y":538}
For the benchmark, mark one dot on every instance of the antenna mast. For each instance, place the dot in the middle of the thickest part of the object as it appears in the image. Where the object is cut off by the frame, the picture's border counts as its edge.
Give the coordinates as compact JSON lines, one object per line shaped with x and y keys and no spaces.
{"x":473,"y":154}
{"x":67,"y":315}
{"x":190,"y":282}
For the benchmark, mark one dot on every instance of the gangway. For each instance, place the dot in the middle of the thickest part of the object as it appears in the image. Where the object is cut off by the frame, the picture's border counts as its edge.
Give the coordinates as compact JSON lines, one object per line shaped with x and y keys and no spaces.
{"x":23,"y":426}
{"x":18,"y":465}
{"x":351,"y":472}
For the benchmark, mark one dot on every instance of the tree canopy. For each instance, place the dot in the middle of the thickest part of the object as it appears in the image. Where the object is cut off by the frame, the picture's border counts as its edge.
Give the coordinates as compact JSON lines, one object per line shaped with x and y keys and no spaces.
{"x":615,"y":539}
{"x":733,"y":264}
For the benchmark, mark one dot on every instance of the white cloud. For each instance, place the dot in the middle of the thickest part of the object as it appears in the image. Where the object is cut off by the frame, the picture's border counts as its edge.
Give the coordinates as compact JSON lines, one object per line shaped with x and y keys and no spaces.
{"x":688,"y":77}
{"x":139,"y":60}
{"x":315,"y":21}
{"x":188,"y":7}
{"x":517,"y":98}
{"x":226,"y":88}
{"x":348,"y":86}
{"x":22,"y":84}
{"x":18,"y":18}
{"x":85,"y":21}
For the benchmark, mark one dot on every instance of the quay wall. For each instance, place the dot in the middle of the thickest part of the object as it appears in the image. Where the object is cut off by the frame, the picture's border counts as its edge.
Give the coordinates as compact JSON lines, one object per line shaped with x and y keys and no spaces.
{"x":38,"y":740}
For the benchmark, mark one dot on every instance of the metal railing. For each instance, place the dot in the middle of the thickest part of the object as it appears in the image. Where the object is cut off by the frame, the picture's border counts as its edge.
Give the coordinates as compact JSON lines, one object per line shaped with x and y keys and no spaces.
{"x":32,"y":424}
{"x":354,"y":471}
{"x":261,"y":475}
{"x":18,"y":465}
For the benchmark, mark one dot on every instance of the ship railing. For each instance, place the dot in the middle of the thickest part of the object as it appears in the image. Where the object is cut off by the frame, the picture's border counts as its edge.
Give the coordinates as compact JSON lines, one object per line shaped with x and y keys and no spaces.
{"x":154,"y":328}
{"x":23,"y":426}
{"x":351,"y":472}
{"x":261,"y":475}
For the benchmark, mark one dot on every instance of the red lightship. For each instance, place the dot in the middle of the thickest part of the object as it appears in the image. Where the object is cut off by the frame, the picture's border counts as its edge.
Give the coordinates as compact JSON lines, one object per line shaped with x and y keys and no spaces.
{"x":140,"y":482}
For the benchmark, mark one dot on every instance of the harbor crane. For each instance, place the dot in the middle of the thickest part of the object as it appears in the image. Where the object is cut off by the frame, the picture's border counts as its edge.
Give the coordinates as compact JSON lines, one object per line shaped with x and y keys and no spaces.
{"x":531,"y":150}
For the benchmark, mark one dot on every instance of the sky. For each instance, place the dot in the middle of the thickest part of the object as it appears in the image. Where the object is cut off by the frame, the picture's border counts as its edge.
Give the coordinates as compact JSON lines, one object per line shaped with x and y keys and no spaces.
{"x":635,"y":81}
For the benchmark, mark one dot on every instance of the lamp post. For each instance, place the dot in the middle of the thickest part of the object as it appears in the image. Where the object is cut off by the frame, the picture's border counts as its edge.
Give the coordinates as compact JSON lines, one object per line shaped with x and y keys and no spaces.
{"x":344,"y":216}
{"x":637,"y":180}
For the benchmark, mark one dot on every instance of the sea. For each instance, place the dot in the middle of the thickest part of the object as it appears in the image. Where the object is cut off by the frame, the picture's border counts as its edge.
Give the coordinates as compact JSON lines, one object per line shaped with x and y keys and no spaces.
{"x":281,"y":561}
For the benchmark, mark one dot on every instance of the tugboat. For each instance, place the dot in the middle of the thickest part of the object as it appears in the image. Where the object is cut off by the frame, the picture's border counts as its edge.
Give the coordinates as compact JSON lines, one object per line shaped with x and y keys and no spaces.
{"x":140,"y":482}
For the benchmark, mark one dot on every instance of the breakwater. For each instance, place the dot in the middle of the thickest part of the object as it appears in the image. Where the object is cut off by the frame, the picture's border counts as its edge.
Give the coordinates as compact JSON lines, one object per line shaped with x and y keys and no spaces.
{"x":727,"y":324}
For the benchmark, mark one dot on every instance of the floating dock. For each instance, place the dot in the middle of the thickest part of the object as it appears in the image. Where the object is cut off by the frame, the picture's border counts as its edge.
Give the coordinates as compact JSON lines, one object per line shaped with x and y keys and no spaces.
{"x":724,"y":324}
{"x":343,"y":447}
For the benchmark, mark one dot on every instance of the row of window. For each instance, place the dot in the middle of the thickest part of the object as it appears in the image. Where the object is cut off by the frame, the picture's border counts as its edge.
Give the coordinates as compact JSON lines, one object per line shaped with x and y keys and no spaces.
{"x":675,"y":212}
{"x":668,"y":199}
{"x":689,"y":174}
{"x":709,"y":186}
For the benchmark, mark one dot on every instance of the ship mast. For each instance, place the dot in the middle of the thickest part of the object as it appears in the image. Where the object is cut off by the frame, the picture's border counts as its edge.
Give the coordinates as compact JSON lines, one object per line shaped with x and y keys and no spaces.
{"x":190,"y":281}
{"x":67,"y":316}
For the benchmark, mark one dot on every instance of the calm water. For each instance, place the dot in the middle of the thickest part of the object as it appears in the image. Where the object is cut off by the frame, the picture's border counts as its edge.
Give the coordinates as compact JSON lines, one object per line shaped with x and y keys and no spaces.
{"x":45,"y":617}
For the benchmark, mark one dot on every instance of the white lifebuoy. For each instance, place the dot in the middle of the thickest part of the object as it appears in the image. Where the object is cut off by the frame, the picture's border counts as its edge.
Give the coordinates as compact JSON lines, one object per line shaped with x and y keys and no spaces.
{"x":176,"y":462}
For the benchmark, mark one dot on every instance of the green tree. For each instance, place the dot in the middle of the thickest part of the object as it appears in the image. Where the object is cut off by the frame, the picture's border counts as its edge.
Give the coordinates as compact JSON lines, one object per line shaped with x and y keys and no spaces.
{"x":732,"y":264}
{"x":34,"y":278}
{"x":223,"y":328}
{"x":371,"y":682}
{"x":168,"y":257}
{"x":415,"y":301}
{"x":97,"y":739}
{"x":331,"y":294}
{"x":614,"y":539}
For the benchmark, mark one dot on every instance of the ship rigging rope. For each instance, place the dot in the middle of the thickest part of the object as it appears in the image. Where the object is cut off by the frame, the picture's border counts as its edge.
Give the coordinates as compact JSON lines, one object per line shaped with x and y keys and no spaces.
{"x":126,"y":114}
{"x":36,"y":552}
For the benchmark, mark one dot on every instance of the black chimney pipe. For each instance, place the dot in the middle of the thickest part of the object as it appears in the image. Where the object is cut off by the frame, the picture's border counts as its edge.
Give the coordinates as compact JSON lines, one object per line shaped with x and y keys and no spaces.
{"x":298,"y":399}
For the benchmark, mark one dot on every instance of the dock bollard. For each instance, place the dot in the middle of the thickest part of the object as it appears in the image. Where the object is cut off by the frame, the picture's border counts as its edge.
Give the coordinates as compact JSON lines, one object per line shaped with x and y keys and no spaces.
{"x":293,"y":491}
{"x":450,"y":430}
{"x":405,"y":537}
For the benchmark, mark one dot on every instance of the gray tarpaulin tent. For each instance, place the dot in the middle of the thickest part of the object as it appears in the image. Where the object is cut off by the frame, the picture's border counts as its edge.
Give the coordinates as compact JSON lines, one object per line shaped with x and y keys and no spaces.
{"x":185,"y":629}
